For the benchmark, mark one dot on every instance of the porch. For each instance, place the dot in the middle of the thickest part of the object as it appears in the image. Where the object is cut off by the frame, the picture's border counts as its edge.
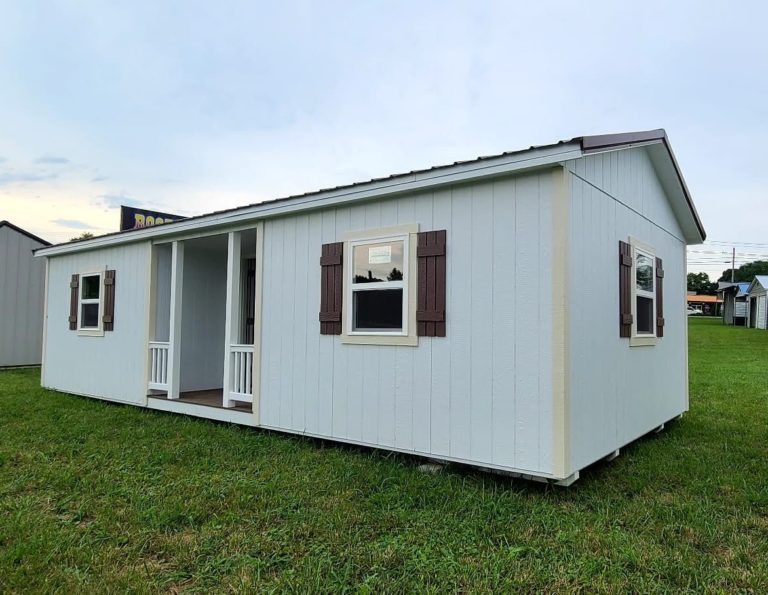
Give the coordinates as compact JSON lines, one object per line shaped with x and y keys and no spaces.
{"x":204,"y":316}
{"x":207,"y":398}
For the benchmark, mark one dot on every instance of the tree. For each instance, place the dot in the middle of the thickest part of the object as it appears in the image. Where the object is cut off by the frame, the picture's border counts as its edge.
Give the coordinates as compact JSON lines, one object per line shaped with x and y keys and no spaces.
{"x":86,"y":235}
{"x":700,"y":283}
{"x":746,"y":272}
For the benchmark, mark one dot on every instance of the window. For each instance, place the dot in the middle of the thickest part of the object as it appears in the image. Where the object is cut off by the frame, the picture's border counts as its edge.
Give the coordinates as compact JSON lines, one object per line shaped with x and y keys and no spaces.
{"x":645,"y":296}
{"x":89,"y":307}
{"x":379,"y":286}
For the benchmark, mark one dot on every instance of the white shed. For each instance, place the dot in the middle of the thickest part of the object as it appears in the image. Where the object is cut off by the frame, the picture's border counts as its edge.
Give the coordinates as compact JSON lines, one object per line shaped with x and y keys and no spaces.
{"x":399,"y":313}
{"x":757,"y":302}
{"x":22,"y":283}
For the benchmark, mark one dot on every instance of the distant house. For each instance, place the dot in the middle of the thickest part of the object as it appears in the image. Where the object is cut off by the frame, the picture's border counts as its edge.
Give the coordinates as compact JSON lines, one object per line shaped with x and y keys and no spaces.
{"x":22,"y":289}
{"x":708,"y":304}
{"x":734,"y":297}
{"x":757,"y":302}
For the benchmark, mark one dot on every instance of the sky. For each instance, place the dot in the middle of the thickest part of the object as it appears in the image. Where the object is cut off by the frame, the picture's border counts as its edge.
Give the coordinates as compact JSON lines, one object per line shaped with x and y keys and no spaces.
{"x":189,"y":107}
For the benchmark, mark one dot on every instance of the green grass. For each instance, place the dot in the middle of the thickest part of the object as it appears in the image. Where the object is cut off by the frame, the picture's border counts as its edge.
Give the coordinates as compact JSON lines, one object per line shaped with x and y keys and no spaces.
{"x":103,"y":497}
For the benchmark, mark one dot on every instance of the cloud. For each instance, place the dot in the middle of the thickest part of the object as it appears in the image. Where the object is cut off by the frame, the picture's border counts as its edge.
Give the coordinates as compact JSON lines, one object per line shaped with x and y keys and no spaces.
{"x":72,"y":223}
{"x":52,"y":160}
{"x":3,"y":160}
{"x":22,"y":177}
{"x":100,"y":179}
{"x":114,"y":201}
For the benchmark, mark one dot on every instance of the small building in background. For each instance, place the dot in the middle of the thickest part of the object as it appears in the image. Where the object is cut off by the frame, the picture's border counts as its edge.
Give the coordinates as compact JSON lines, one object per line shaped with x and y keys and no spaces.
{"x":708,"y":305}
{"x":757,"y":302}
{"x":734,"y":298}
{"x":22,"y":289}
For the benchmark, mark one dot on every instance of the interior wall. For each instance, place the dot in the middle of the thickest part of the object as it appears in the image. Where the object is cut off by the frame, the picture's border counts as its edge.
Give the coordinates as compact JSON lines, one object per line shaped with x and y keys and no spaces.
{"x":203,"y":313}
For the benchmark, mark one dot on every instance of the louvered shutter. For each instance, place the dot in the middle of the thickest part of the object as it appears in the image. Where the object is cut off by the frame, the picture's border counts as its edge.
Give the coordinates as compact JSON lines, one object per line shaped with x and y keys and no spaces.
{"x":109,"y":301}
{"x":659,"y":298}
{"x":74,"y":288}
{"x":625,"y":290}
{"x":331,"y":288}
{"x":430,"y":311}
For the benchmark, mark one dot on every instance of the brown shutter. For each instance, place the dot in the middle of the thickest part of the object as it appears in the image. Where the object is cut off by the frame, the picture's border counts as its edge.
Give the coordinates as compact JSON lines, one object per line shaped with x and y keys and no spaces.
{"x":109,"y":301}
{"x":625,"y":290}
{"x":74,"y":287}
{"x":430,"y":311}
{"x":331,"y":286}
{"x":659,"y":298}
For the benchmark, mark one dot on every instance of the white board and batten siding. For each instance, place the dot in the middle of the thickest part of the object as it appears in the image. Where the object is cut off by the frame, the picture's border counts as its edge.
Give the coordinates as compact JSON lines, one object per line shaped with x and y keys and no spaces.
{"x":113,"y":366}
{"x":22,"y":289}
{"x":761,"y":319}
{"x":617,"y":392}
{"x":483,"y":393}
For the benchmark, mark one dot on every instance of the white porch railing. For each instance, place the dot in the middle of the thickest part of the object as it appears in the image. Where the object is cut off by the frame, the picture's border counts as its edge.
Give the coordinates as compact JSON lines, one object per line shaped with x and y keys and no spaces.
{"x":241,"y":373}
{"x":158,"y":365}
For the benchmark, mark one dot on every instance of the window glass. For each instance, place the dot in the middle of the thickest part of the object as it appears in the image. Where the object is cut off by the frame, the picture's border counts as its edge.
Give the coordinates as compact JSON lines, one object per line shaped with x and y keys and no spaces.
{"x":644,"y":272}
{"x":91,"y":287}
{"x":374,"y":263}
{"x":90,"y":316}
{"x":644,"y":315}
{"x":378,"y":310}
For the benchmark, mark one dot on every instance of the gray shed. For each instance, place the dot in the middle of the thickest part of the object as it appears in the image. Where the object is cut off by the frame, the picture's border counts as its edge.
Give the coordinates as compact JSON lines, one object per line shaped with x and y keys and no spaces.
{"x":22,"y":287}
{"x":523,"y":312}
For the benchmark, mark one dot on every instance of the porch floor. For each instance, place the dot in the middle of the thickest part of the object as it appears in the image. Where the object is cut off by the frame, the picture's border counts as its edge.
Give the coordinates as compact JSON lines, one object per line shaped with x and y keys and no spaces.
{"x":208,"y":398}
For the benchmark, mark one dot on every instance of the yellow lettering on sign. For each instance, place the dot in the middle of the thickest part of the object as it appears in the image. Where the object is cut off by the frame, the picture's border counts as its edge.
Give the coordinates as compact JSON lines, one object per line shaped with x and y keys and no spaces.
{"x":139,"y":220}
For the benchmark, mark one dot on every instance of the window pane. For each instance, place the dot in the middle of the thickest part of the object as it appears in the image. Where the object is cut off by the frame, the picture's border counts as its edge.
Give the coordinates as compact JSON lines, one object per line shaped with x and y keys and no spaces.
{"x":644,"y":315}
{"x":91,"y":287}
{"x":378,"y":310}
{"x":378,"y":262}
{"x":90,"y":316}
{"x":644,"y":272}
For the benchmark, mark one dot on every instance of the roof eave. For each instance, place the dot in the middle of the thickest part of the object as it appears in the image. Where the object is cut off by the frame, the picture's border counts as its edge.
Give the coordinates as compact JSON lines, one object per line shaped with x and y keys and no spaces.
{"x":602,"y":142}
{"x":485,"y":168}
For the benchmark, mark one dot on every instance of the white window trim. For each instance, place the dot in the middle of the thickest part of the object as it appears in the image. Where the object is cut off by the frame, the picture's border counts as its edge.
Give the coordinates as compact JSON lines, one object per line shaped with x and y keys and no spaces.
{"x":97,"y":331}
{"x":642,"y":339}
{"x":407,"y":336}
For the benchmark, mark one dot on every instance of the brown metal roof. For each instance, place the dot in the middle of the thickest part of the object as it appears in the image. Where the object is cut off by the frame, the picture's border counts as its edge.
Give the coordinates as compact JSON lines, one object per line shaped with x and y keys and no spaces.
{"x":587,"y":144}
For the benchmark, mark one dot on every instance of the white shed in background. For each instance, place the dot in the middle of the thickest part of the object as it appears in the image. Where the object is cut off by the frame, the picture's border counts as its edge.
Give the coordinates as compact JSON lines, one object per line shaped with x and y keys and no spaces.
{"x":757,"y":302}
{"x":22,"y":285}
{"x":398,"y":313}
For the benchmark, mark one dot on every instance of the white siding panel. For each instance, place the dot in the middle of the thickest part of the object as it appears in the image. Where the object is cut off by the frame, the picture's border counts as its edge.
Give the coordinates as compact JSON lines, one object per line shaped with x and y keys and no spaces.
{"x":614,"y":398}
{"x":504,"y":314}
{"x":440,"y":380}
{"x":111,"y":366}
{"x":528,"y":341}
{"x":22,"y":287}
{"x":460,"y":312}
{"x":458,"y":396}
{"x":480,"y":275}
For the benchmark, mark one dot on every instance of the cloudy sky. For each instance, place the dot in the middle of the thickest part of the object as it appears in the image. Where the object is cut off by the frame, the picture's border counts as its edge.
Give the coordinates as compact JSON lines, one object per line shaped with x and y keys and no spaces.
{"x":195,"y":106}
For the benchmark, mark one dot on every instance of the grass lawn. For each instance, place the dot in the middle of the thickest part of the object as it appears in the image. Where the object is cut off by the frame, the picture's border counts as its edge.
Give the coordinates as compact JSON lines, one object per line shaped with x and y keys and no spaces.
{"x":103,"y":497}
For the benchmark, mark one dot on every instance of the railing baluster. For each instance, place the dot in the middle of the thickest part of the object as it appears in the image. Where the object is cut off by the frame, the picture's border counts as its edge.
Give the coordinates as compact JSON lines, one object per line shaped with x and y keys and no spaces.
{"x":158,"y":365}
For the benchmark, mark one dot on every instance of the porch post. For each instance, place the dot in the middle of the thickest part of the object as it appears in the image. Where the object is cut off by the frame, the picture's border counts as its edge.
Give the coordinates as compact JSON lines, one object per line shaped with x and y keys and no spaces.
{"x":174,"y":348}
{"x":232,"y":320}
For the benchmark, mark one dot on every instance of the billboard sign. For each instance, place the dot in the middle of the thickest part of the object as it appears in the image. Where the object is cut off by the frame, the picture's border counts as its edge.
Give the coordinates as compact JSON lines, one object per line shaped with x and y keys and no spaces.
{"x":133,"y":218}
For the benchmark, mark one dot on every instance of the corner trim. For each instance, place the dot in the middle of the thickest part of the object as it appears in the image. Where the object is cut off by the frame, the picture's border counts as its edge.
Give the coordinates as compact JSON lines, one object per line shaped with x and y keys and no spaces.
{"x":561,"y":406}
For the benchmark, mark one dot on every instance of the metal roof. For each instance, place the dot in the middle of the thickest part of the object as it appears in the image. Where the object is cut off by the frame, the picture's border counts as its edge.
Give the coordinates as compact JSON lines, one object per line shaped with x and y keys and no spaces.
{"x":24,"y":232}
{"x":587,"y":144}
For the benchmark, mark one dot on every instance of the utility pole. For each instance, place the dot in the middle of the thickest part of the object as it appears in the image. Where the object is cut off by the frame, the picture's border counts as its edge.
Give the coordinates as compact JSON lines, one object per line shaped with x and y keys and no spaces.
{"x":733,"y":263}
